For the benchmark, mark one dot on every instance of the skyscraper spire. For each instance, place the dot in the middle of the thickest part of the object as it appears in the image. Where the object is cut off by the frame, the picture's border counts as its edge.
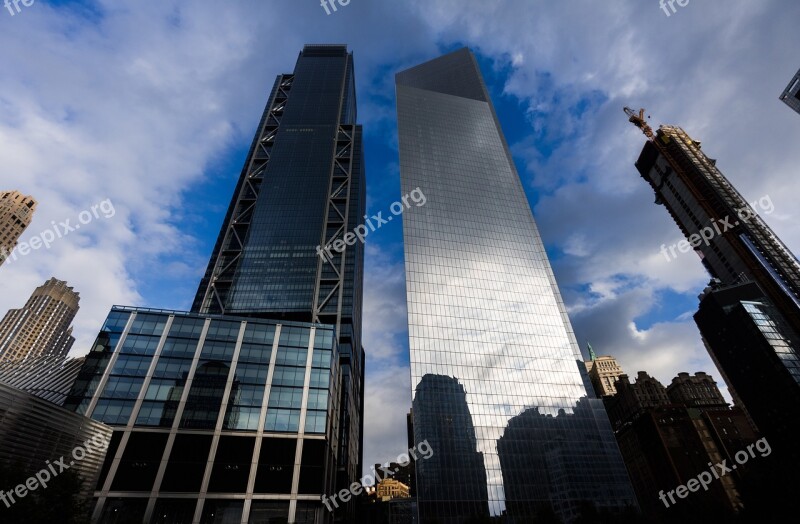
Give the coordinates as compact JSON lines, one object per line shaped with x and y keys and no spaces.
{"x":592,"y":356}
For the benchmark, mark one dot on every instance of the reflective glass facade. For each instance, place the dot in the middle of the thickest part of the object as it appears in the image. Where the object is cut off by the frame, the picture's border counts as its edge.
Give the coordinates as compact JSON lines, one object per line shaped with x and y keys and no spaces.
{"x":302,"y":188}
{"x":499,"y":387}
{"x":221,"y":419}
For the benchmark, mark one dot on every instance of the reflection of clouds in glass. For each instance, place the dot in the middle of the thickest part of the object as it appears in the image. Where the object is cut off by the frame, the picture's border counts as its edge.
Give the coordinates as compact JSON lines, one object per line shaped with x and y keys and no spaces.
{"x":483,"y":305}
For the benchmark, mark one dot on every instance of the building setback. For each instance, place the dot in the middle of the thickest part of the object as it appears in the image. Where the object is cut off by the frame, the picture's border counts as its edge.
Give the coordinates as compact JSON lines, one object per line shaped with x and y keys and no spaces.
{"x":16,"y":213}
{"x":42,"y":327}
{"x":487,"y":325}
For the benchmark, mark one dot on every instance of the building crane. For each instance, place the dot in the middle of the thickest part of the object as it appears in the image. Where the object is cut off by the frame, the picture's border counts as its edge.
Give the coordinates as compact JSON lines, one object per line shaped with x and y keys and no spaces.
{"x":639,"y":121}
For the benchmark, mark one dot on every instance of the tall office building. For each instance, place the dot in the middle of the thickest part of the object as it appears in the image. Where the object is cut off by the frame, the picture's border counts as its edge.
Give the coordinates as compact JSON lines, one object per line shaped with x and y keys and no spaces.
{"x":42,"y":326}
{"x":16,"y":213}
{"x":270,"y":259}
{"x":250,"y":408}
{"x":486,"y":317}
{"x":791,"y":95}
{"x":724,"y":229}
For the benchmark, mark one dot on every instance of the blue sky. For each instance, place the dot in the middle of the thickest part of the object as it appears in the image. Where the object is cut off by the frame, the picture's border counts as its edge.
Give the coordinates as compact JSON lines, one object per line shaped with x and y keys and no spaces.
{"x":153,"y":104}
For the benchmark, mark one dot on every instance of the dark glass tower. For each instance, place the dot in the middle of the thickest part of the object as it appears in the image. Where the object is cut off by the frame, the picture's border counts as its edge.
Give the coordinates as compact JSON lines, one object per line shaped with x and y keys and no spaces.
{"x":487,"y":326}
{"x":250,"y":407}
{"x":757,"y":353}
{"x":302,"y":186}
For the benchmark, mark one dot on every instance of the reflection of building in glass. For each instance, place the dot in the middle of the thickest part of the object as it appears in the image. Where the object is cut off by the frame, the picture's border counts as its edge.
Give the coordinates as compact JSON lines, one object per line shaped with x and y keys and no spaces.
{"x":207,"y":409}
{"x":455,"y":477}
{"x":483,"y":304}
{"x":543,"y":458}
{"x":791,"y":95}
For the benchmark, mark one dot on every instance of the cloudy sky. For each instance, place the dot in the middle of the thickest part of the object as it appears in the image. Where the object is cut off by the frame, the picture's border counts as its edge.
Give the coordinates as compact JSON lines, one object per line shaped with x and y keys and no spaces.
{"x":152,"y":104}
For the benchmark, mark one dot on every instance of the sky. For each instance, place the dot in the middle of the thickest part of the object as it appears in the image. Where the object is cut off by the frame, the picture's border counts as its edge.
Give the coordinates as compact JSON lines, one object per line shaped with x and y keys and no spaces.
{"x":145,"y":110}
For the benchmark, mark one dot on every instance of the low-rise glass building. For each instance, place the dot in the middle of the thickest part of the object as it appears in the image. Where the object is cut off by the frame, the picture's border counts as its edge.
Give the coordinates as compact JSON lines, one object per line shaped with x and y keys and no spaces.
{"x":216,"y":419}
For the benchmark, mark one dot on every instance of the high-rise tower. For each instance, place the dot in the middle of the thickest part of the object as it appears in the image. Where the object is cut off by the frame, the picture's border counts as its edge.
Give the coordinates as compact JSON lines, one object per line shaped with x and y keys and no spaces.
{"x":485,"y":316}
{"x":302,"y":186}
{"x":719,"y":224}
{"x":249,"y":408}
{"x":16,"y":213}
{"x":42,"y":326}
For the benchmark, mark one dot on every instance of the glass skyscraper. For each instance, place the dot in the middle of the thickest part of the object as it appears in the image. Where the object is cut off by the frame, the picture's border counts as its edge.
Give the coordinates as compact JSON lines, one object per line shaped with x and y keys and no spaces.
{"x":494,"y":362}
{"x":303,"y":186}
{"x":249,"y":408}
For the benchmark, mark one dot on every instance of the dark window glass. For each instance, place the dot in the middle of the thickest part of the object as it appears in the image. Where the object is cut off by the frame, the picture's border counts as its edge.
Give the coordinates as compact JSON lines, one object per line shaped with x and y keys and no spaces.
{"x":312,"y":467}
{"x":124,"y":511}
{"x":275,"y":465}
{"x":205,"y":397}
{"x":269,"y":512}
{"x":139,"y":464}
{"x":232,"y":465}
{"x":222,"y":511}
{"x":113,"y":444}
{"x":171,"y":511}
{"x":187,"y":463}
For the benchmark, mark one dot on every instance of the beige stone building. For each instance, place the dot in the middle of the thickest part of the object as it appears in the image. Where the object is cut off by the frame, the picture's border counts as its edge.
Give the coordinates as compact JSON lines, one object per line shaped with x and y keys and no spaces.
{"x":603,"y":372}
{"x":16,"y":212}
{"x":42,"y":326}
{"x":389,"y":489}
